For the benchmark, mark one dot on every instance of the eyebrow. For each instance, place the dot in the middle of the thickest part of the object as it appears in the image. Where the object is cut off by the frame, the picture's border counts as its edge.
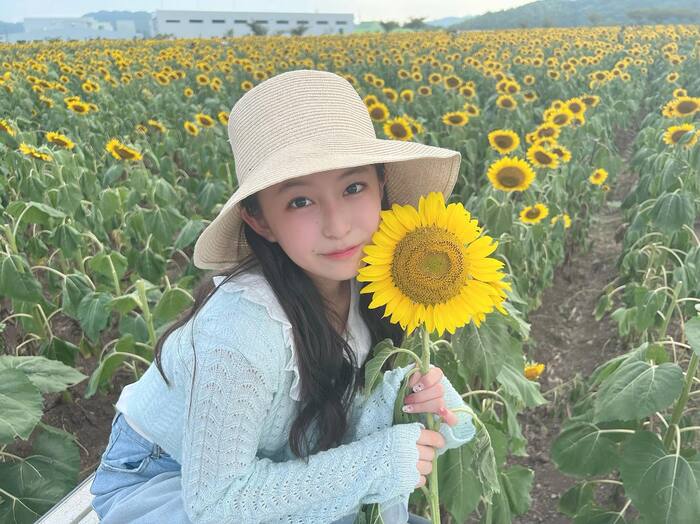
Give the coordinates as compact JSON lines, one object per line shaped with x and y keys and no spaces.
{"x":298,"y":182}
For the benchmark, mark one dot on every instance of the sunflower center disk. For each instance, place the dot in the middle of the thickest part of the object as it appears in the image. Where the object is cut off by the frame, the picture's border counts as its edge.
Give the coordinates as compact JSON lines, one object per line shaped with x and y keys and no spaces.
{"x":510,"y":176}
{"x":429,"y":266}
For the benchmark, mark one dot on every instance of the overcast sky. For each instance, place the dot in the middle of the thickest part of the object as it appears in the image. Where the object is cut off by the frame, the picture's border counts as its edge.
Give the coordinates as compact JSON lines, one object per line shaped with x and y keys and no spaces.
{"x":399,"y":10}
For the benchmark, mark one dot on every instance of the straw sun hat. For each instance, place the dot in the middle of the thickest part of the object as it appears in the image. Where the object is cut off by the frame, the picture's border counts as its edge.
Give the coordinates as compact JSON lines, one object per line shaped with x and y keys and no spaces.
{"x":306,"y":121}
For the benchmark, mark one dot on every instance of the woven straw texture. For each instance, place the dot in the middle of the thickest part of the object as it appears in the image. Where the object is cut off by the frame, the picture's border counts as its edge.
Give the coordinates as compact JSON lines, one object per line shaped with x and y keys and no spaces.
{"x":303,"y":122}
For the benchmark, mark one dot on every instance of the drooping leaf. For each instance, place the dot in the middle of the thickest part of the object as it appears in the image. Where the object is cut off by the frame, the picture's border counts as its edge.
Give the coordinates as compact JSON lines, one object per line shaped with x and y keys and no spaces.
{"x":49,"y":376}
{"x":581,"y":449}
{"x":21,"y":405}
{"x":637,"y":389}
{"x":662,"y":485}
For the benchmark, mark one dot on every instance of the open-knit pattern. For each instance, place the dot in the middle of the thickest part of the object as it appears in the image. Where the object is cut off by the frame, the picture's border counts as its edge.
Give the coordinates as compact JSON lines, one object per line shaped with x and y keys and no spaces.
{"x":233,"y":444}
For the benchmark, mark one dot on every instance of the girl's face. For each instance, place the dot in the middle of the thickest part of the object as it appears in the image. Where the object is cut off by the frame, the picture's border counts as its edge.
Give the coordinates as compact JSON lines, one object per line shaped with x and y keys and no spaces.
{"x":321,"y":213}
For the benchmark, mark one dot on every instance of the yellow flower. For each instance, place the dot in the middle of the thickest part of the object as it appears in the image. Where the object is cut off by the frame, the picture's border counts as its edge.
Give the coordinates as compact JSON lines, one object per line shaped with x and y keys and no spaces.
{"x":430,"y":266}
{"x":541,"y":157}
{"x":533,"y":370}
{"x":33,"y":152}
{"x":223,"y":117}
{"x":565,"y":216}
{"x":204,"y":120}
{"x":598,"y":177}
{"x":6,"y":127}
{"x":60,"y":140}
{"x":121,"y":151}
{"x":511,"y":174}
{"x":675,"y":134}
{"x":188,"y":92}
{"x":504,"y":140}
{"x":191,"y":128}
{"x":506,"y":102}
{"x":562,"y":152}
{"x":370,"y":100}
{"x":455,"y":118}
{"x":561,"y":117}
{"x":78,"y":107}
{"x":398,"y":129}
{"x":378,"y":112}
{"x":156,"y":126}
{"x":534,"y":214}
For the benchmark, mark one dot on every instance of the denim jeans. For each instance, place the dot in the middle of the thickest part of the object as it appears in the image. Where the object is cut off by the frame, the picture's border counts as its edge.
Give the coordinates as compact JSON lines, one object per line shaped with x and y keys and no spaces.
{"x":138,"y":483}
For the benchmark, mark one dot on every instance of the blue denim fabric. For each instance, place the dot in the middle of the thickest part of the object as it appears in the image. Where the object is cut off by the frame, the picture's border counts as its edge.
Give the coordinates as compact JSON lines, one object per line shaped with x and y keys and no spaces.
{"x":138,"y":483}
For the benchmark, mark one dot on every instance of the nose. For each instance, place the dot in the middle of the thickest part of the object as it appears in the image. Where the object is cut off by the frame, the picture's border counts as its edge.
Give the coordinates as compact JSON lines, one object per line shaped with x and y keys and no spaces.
{"x":336,"y":223}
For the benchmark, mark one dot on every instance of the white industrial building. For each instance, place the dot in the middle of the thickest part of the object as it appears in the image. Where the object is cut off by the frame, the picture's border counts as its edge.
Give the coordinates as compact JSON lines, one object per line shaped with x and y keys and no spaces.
{"x":207,"y":24}
{"x":81,"y":28}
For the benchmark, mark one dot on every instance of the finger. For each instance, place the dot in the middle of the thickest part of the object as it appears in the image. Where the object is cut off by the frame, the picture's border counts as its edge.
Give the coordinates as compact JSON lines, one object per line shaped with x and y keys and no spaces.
{"x":432,"y":377}
{"x":430,"y":406}
{"x":433,"y":392}
{"x":448,"y":416}
{"x":413,"y":379}
{"x":426,"y":453}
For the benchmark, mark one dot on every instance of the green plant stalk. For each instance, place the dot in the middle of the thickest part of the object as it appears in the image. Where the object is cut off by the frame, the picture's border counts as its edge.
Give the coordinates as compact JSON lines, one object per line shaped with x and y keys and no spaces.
{"x":115,"y":278}
{"x":434,"y":498}
{"x":141,"y":289}
{"x":682,"y":400}
{"x":669,"y":311}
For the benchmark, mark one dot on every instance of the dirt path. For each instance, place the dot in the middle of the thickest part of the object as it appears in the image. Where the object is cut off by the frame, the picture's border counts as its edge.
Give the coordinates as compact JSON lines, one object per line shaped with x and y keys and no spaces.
{"x":569,"y":340}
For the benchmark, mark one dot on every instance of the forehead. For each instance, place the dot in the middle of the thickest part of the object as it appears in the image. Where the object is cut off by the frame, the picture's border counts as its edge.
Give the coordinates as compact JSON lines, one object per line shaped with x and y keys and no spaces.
{"x":319,"y":178}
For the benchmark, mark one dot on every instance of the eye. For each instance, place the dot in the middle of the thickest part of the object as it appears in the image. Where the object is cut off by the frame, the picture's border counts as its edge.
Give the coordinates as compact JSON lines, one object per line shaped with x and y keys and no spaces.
{"x":357,"y":184}
{"x":291,"y":203}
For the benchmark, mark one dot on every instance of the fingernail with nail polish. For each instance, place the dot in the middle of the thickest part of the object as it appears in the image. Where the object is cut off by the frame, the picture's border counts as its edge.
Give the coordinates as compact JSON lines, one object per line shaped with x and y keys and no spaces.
{"x":407,"y":409}
{"x":418,"y":387}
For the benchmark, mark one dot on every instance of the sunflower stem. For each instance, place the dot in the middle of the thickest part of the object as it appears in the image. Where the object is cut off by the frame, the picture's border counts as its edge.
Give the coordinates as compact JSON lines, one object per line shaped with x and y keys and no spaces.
{"x":434,"y":498}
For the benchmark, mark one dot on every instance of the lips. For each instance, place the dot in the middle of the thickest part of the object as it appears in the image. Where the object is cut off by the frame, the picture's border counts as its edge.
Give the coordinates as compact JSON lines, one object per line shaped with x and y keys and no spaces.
{"x":342,"y":250}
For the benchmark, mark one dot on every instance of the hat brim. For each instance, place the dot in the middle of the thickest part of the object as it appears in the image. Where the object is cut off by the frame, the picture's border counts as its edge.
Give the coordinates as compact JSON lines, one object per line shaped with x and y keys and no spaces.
{"x":412,"y":170}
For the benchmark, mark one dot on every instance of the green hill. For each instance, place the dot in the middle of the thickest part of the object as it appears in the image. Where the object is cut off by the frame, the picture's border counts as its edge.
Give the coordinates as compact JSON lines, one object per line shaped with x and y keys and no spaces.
{"x":569,"y":13}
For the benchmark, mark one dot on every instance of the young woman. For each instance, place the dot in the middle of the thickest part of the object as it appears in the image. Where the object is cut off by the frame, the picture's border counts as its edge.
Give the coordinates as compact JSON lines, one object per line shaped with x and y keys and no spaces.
{"x":254,"y":409}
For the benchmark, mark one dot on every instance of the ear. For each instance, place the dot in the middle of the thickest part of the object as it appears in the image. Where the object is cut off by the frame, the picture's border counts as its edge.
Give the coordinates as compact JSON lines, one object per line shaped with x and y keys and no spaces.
{"x":259,"y":225}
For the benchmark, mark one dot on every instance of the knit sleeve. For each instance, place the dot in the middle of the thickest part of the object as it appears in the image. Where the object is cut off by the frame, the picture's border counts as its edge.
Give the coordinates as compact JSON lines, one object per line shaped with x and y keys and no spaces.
{"x":231,"y":396}
{"x":377,"y":411}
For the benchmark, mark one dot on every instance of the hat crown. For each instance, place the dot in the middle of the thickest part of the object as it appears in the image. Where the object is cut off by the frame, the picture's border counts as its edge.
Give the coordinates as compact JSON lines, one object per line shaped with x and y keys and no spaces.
{"x":294,"y":107}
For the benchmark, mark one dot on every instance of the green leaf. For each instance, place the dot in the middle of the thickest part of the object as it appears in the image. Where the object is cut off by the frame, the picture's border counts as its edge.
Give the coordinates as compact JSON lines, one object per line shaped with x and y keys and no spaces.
{"x":93,"y":314}
{"x":67,"y":238}
{"x":171,"y":304}
{"x":373,"y":368}
{"x":189,"y":233}
{"x":41,"y":480}
{"x":21,"y":405}
{"x":672,"y":210}
{"x":36,"y":212}
{"x":460,"y":490}
{"x":581,"y":449}
{"x":49,"y":376}
{"x":692,"y":333}
{"x":637,"y":389}
{"x":75,"y":287}
{"x":663,"y":486}
{"x":100,"y":263}
{"x":17,"y":281}
{"x":516,"y":384}
{"x":591,"y":514}
{"x":482,"y":350}
{"x":108,"y":365}
{"x":150,"y":265}
{"x":576,"y":498}
{"x":517,"y":483}
{"x":125,"y":303}
{"x":60,"y":350}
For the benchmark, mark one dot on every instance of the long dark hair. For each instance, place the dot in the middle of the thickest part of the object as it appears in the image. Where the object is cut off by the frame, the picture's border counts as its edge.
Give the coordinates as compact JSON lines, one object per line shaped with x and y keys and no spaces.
{"x":329,"y":382}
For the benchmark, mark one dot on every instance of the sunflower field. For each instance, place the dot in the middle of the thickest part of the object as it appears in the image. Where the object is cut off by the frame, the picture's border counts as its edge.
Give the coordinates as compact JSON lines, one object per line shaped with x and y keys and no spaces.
{"x":114,"y":157}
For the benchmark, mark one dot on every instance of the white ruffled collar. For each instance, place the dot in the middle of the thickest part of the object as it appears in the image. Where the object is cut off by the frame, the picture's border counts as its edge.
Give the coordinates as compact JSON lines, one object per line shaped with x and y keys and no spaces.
{"x":257,"y":289}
